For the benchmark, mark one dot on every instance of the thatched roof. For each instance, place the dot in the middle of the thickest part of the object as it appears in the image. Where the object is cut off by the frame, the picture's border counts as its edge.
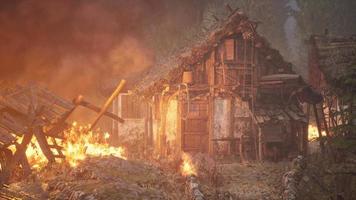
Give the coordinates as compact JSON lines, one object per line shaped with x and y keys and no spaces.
{"x":169,"y":70}
{"x":334,"y":54}
{"x":265,"y":115}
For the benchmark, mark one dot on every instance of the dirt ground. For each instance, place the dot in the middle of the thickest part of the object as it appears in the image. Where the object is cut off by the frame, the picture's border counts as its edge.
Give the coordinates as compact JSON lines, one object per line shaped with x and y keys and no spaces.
{"x":253,"y":181}
{"x":114,"y":178}
{"x":108,"y":178}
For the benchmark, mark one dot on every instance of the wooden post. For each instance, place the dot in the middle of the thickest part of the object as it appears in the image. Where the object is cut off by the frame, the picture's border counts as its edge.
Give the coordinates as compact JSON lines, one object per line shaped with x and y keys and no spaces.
{"x":255,"y":137}
{"x":162,"y":129}
{"x":300,"y":137}
{"x":24,"y":163}
{"x":150,"y":126}
{"x":325,"y":123}
{"x":211,"y":125}
{"x":305,"y":139}
{"x":241,"y":149}
{"x":321,"y":140}
{"x":179,"y":127}
{"x":244,"y":70}
{"x":42,"y":141}
{"x":231,"y":127}
{"x":260,"y":144}
{"x":145,"y":133}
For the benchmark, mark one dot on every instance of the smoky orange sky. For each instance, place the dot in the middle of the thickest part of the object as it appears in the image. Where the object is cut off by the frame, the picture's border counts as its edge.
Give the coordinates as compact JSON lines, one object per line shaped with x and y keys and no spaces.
{"x":80,"y":47}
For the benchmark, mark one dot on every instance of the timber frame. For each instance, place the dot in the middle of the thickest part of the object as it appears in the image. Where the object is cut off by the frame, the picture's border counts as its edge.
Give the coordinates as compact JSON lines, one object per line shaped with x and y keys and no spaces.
{"x":229,"y":71}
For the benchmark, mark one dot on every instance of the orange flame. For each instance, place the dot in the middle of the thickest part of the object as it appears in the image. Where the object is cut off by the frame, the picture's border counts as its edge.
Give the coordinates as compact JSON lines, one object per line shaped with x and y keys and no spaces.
{"x":79,"y":145}
{"x":187,"y":167}
{"x":313,"y":133}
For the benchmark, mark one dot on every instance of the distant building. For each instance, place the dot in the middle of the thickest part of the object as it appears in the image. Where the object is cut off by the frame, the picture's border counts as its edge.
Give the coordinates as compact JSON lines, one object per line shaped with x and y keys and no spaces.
{"x":329,"y":57}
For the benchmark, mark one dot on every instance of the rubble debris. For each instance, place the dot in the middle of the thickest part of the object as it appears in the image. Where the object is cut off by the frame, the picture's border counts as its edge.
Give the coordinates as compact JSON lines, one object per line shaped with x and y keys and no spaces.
{"x":106,"y":178}
{"x":192,"y":189}
{"x":252,"y":181}
{"x":291,"y":179}
{"x":28,"y":112}
{"x":8,"y":194}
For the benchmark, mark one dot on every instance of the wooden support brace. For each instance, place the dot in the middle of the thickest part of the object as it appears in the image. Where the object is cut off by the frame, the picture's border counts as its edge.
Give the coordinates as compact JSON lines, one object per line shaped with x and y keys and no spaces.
{"x":24,"y":163}
{"x":20,"y":152}
{"x":42,"y":141}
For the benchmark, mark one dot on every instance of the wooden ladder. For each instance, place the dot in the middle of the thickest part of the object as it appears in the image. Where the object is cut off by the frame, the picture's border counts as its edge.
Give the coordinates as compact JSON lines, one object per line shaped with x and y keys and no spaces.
{"x":247,"y":83}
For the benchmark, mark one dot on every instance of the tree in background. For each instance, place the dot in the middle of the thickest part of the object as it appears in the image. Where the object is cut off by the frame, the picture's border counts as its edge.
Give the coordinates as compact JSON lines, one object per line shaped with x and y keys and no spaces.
{"x":344,"y":87}
{"x":338,"y":16}
{"x":314,"y":17}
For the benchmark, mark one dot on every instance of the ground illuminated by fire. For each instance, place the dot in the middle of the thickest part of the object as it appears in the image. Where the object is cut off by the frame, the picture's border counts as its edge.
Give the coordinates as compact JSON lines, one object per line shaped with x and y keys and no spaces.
{"x":77,"y":146}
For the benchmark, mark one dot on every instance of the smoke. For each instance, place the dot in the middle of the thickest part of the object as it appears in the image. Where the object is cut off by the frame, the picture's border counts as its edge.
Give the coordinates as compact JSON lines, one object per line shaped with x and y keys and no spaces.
{"x":87,"y":46}
{"x":74,"y":46}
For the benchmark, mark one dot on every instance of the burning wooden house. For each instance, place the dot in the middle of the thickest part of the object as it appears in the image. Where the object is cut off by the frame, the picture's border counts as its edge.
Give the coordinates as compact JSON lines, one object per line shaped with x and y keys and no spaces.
{"x":229,"y":94}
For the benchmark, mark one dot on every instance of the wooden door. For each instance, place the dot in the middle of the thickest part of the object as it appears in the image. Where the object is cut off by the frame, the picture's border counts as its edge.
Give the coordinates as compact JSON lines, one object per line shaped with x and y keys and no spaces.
{"x":194,"y":126}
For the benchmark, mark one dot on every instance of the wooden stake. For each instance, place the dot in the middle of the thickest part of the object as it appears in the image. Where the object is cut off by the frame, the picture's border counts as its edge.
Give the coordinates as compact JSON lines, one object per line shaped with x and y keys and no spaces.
{"x":108,"y":103}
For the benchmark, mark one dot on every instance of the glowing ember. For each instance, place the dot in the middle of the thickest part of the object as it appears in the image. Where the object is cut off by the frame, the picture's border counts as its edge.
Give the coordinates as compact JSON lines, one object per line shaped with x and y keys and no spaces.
{"x":79,"y":145}
{"x":187,"y":167}
{"x":313,"y":133}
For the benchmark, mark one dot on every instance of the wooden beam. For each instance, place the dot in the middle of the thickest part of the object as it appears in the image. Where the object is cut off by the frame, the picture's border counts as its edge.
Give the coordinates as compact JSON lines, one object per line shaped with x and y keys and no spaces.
{"x":24,"y":163}
{"x":80,"y":101}
{"x":211,"y":125}
{"x":42,"y":141}
{"x":108,"y":103}
{"x":150,"y":126}
{"x":260,"y":144}
{"x":179,"y":127}
{"x":317,"y":119}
